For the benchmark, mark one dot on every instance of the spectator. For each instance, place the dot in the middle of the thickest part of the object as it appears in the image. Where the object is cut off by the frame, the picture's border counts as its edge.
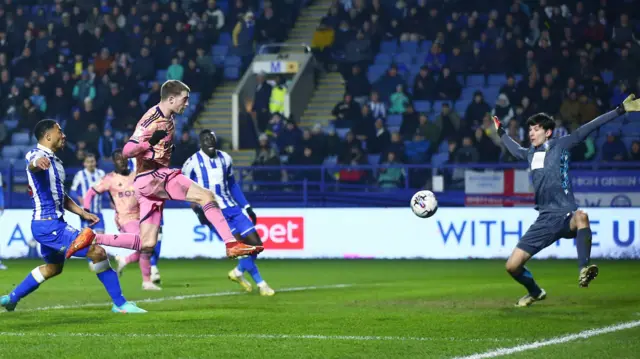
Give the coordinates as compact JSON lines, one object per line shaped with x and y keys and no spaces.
{"x":175,"y":71}
{"x":184,"y":149}
{"x":358,"y":85}
{"x":243,"y":37}
{"x":29,"y":115}
{"x":363,"y":125}
{"x":345,"y":112}
{"x":435,"y":59}
{"x":467,"y":153}
{"x":634,"y":154}
{"x":278,"y":93}
{"x":614,"y":149}
{"x":488,"y":151}
{"x":450,"y":123}
{"x":399,"y":100}
{"x":378,"y":108}
{"x":381,"y":139}
{"x":409,"y":123}
{"x":503,"y":110}
{"x":107,"y":144}
{"x":261,"y":101}
{"x":447,"y":86}
{"x":84,"y":89}
{"x":390,"y":175}
{"x":424,"y":85}
{"x":416,"y":149}
{"x":289,"y":139}
{"x":388,"y":83}
{"x":477,"y":109}
{"x":429,"y":130}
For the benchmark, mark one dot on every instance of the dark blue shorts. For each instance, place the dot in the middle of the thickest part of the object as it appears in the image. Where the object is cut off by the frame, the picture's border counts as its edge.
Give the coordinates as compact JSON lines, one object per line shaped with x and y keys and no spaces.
{"x":98,"y":227}
{"x":54,"y":237}
{"x":546,"y":230}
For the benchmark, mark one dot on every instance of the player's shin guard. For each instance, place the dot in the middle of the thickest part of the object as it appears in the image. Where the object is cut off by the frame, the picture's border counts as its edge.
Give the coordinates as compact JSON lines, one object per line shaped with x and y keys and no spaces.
{"x":216,"y":218}
{"x":583,"y":246}
{"x":526,"y":279}
{"x":28,"y":285}
{"x":109,"y":279}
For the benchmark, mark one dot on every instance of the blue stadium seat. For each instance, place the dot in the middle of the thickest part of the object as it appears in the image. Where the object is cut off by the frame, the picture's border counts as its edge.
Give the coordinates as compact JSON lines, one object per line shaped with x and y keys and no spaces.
{"x":410,"y":47}
{"x":461,"y":107}
{"x":161,"y":76}
{"x":422,"y":106}
{"x":219,"y":50}
{"x":497,"y":80}
{"x":437,"y":106}
{"x":342,"y":132}
{"x":195,"y":97}
{"x":373,"y":159}
{"x":403,"y":58}
{"x":20,"y":139}
{"x":232,"y":61}
{"x":607,"y":77}
{"x":443,"y":148}
{"x":394,"y":120}
{"x":475,"y":81}
{"x":425,"y":46}
{"x":12,"y":152}
{"x":375,"y":72}
{"x":225,"y":39}
{"x":231,"y":73}
{"x":388,"y":47}
{"x":143,"y":97}
{"x":383,"y":59}
{"x":11,"y":124}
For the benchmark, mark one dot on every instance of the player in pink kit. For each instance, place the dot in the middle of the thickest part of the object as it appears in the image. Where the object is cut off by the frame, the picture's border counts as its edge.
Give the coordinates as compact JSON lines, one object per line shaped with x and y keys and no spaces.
{"x":119,"y":185}
{"x":151,"y":145}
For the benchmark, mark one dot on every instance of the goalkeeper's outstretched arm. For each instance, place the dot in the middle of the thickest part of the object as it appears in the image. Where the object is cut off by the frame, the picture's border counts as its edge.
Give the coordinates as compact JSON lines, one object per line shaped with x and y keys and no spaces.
{"x":512,"y":146}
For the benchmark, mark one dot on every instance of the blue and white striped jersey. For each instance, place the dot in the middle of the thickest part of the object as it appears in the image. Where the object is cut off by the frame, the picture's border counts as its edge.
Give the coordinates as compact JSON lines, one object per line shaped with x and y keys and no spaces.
{"x":83,"y":181}
{"x":216,"y":175}
{"x":132,"y":164}
{"x":47,"y":187}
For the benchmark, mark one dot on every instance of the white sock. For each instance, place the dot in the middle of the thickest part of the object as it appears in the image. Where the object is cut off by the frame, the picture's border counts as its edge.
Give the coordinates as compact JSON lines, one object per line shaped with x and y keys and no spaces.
{"x":237,"y":272}
{"x":262,"y":284}
{"x":154,"y":269}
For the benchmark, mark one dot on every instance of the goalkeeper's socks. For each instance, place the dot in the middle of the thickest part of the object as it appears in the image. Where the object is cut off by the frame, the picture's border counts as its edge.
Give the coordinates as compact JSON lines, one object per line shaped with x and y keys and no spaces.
{"x":526,"y":279}
{"x":28,"y":285}
{"x":583,"y":246}
{"x":110,"y":281}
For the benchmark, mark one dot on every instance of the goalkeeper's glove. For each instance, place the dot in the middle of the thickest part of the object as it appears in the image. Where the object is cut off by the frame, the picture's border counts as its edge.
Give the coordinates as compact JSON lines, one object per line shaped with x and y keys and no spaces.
{"x":498,"y":124}
{"x":630,"y":104}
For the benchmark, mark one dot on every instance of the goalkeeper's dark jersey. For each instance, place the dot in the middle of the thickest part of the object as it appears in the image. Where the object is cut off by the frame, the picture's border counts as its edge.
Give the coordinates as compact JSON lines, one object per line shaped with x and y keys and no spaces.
{"x":549,"y":165}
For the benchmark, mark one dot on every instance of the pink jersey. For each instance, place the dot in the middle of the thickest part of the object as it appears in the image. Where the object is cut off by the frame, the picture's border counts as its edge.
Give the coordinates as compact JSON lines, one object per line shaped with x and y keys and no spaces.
{"x":122,"y":194}
{"x":157,"y":156}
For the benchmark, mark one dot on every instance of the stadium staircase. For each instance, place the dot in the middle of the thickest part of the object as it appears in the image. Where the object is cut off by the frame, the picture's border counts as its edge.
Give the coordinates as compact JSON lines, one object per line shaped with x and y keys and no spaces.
{"x":329,"y":92}
{"x":308,"y":21}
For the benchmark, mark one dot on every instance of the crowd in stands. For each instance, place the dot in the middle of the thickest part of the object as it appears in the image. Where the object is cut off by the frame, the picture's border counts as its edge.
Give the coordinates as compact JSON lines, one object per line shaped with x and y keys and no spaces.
{"x":96,"y":66}
{"x":571,"y":59}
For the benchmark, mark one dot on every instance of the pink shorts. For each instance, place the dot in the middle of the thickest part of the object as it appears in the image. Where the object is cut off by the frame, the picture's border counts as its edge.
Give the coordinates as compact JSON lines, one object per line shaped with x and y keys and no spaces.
{"x":155,"y":187}
{"x":130,"y":227}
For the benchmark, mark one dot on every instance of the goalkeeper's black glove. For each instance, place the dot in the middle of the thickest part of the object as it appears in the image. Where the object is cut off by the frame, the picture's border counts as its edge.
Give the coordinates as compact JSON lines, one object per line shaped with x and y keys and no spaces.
{"x":157,"y":136}
{"x":202,"y":218}
{"x":252,"y":215}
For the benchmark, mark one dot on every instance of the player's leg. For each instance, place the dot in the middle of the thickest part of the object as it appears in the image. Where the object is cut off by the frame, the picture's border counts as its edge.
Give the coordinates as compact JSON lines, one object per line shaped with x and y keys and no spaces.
{"x":33,"y":280}
{"x":2,"y":266}
{"x":98,"y":228}
{"x":179,"y":187}
{"x":110,"y":281}
{"x":244,"y":231}
{"x":580,"y":226}
{"x":536,"y":239}
{"x":149,"y":229}
{"x":87,"y":237}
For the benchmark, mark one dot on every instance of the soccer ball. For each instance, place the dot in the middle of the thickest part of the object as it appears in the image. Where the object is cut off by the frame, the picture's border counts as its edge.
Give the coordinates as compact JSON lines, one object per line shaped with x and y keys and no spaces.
{"x":424,"y":204}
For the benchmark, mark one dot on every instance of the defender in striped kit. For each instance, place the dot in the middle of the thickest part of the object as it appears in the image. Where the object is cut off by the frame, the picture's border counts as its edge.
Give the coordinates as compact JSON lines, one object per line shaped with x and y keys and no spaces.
{"x":213,"y":170}
{"x":46,"y":184}
{"x":83,"y":181}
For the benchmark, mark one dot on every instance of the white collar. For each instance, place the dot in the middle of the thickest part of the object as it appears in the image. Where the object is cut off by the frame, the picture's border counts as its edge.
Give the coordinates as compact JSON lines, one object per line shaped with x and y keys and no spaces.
{"x":45,"y":149}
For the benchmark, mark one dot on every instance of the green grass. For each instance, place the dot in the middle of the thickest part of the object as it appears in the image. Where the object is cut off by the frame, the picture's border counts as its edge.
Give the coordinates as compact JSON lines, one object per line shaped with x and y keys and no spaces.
{"x":457,"y":307}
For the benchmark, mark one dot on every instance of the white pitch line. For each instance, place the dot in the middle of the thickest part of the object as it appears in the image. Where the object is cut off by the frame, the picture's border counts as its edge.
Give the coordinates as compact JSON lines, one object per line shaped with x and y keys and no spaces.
{"x":252,"y":336}
{"x":553,"y":341}
{"x":183,"y":297}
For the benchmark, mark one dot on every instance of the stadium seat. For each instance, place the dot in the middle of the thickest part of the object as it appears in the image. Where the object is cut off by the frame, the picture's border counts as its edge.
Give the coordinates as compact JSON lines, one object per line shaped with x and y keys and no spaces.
{"x":231,"y":73}
{"x":233,"y":61}
{"x":383,"y":59}
{"x":225,"y":39}
{"x":20,"y":139}
{"x":422,"y":106}
{"x":388,"y":47}
{"x":394,"y":120}
{"x":161,"y":76}
{"x":404,"y":59}
{"x":11,"y":152}
{"x":410,"y":47}
{"x":497,"y":80}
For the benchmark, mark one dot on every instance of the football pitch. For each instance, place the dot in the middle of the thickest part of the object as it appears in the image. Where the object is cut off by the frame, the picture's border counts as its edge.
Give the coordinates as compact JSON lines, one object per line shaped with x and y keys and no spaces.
{"x":329,"y":309}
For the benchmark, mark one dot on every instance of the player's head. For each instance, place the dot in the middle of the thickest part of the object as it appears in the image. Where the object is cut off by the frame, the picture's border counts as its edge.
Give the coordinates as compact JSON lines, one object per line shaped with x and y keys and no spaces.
{"x":208,"y":142}
{"x":541,"y":128}
{"x":175,"y":94}
{"x":49,"y":134}
{"x":90,"y":163}
{"x":120,"y":162}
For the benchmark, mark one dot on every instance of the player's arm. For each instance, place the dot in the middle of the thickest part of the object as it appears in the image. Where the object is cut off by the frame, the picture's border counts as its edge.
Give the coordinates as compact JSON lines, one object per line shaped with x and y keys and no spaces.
{"x":37,"y":161}
{"x":630,"y":104}
{"x":237,"y":193}
{"x":71,"y":206}
{"x":512,"y":146}
{"x":142,"y":140}
{"x":100,"y":188}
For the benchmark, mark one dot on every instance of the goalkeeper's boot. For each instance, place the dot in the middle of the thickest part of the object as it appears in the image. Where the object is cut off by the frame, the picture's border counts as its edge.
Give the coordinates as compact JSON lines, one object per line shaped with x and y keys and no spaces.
{"x":127,"y":308}
{"x":82,"y":241}
{"x":238,"y":277}
{"x":528,"y":299}
{"x":587,"y":274}
{"x":5,"y":301}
